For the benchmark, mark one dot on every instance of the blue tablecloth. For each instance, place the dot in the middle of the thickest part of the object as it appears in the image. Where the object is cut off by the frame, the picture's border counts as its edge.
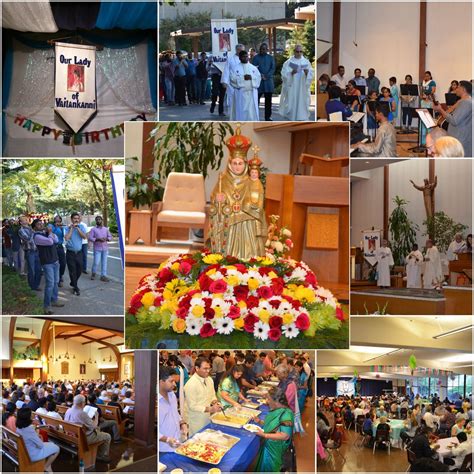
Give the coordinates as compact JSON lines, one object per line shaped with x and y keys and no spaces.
{"x":396,"y":427}
{"x":238,"y":459}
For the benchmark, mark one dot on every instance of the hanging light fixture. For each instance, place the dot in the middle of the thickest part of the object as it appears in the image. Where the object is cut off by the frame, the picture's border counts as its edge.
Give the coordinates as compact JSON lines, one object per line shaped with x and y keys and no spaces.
{"x":66,"y":356}
{"x":32,"y":333}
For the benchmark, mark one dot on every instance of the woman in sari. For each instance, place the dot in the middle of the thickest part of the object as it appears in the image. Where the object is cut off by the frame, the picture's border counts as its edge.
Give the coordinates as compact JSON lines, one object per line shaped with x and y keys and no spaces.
{"x":230,"y":390}
{"x":237,"y":217}
{"x":302,"y":384}
{"x":289,"y":387}
{"x":277,"y":432}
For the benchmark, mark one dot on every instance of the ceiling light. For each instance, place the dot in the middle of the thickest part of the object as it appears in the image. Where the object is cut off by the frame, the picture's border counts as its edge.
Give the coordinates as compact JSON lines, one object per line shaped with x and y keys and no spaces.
{"x":453,"y":331}
{"x":371,"y":349}
{"x":460,"y":358}
{"x":383,"y":355}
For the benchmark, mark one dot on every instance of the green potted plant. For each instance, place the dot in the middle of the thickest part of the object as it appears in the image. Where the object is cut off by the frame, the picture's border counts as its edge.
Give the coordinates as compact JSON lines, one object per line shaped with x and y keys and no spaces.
{"x":442,"y":229}
{"x":143,"y":190}
{"x":402,"y":230}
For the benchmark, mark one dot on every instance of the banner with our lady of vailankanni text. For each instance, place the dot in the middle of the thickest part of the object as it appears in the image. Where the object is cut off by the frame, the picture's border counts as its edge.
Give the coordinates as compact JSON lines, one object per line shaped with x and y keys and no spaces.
{"x":224,"y":40}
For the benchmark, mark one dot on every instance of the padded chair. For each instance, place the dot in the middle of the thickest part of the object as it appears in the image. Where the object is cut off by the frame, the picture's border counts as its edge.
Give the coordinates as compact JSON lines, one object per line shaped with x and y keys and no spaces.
{"x":359,"y":423}
{"x":382,"y":436}
{"x":335,"y":446}
{"x":183,"y":205}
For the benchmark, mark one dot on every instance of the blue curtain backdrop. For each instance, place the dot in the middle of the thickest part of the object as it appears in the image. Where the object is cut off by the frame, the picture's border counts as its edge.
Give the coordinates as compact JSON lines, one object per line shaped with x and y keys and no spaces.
{"x":368,"y":387}
{"x":128,"y":16}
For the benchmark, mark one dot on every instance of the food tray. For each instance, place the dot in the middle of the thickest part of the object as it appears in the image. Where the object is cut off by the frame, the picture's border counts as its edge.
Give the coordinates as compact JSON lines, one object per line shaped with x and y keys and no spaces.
{"x":260,"y":392}
{"x":232,"y":420}
{"x":270,"y":383}
{"x":250,"y":405}
{"x":217,"y":437}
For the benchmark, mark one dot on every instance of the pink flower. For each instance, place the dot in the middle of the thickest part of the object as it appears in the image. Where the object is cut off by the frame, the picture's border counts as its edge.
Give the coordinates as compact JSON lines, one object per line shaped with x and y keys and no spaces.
{"x":340,"y":314}
{"x":234,"y":312}
{"x":185,"y":267}
{"x":275,"y":322}
{"x":207,"y":330}
{"x":218,"y":286}
{"x":274,"y":334}
{"x":289,"y":243}
{"x":302,"y":322}
{"x":265,"y":292}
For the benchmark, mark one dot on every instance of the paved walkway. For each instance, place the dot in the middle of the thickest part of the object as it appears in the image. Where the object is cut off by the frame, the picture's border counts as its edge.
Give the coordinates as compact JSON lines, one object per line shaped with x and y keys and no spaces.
{"x":201,"y":113}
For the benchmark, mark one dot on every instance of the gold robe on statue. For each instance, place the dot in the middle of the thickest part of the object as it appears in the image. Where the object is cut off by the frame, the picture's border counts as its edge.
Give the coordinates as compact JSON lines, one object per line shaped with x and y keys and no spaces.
{"x":238,"y":226}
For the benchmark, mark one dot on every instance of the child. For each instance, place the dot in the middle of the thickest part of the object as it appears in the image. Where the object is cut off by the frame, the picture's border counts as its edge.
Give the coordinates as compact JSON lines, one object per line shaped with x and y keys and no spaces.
{"x":257,"y":194}
{"x":371,"y":122}
{"x":408,"y":102}
{"x":394,"y":93}
{"x":387,"y":97}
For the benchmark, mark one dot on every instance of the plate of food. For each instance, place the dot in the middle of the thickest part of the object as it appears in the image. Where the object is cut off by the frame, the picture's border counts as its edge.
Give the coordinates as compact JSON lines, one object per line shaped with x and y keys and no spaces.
{"x":216,"y":437}
{"x":251,"y":405}
{"x":201,"y":451}
{"x":161,"y":467}
{"x":230,"y":419}
{"x":252,"y":428}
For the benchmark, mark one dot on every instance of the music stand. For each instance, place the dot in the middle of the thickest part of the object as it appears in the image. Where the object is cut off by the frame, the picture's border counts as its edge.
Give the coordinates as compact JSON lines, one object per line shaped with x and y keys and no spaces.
{"x":410,"y":90}
{"x":425,"y":116}
{"x":451,"y":98}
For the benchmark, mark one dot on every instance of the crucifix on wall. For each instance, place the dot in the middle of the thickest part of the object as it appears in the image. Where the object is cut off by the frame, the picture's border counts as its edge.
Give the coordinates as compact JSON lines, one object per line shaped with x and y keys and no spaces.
{"x":428,"y":190}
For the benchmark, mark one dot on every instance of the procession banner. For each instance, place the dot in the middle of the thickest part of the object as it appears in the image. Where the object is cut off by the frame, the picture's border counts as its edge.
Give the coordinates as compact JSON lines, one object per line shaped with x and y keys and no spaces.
{"x":75,"y":98}
{"x":118,"y":187}
{"x":224,"y":40}
{"x":371,"y":239}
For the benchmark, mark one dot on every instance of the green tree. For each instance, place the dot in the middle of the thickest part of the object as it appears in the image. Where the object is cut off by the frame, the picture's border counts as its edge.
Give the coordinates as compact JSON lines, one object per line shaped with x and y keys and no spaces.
{"x":443,"y":229}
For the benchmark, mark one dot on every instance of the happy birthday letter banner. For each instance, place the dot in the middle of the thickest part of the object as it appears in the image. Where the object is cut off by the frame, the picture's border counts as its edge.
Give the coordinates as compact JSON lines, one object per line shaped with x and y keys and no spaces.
{"x":75,"y":98}
{"x":224,"y":41}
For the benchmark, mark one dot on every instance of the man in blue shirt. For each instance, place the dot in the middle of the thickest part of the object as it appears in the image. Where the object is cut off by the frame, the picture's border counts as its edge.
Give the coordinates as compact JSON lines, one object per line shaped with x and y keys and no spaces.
{"x":59,"y":230}
{"x":373,"y":83}
{"x":359,"y":79}
{"x":334,"y":103}
{"x":76,"y":232}
{"x":191,"y":78}
{"x":266,"y":66}
{"x":181,"y":65}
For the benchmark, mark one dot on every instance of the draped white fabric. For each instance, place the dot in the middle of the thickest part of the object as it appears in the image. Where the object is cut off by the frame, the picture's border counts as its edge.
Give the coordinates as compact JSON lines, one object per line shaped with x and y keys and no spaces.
{"x":122,"y":93}
{"x":35,"y":16}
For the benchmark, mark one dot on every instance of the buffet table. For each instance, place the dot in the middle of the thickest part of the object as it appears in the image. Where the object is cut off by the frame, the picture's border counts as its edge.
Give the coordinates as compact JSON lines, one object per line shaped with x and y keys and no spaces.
{"x":238,"y":459}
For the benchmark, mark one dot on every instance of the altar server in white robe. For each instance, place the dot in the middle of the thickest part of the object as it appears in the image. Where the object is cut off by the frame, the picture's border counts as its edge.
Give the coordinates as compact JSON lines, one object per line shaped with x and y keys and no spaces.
{"x":232,"y":62}
{"x":245,"y":80}
{"x":296,"y":74}
{"x":456,"y":247}
{"x":414,"y":261}
{"x":384,"y":262}
{"x":433,"y":274}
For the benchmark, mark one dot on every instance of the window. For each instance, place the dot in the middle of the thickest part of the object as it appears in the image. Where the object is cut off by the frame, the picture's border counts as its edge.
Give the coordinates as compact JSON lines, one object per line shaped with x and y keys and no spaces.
{"x":456,"y":386}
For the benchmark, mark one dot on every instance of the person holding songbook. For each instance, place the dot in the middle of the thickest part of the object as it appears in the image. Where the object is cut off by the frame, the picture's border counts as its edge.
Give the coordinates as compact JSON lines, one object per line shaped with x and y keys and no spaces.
{"x":408,"y":102}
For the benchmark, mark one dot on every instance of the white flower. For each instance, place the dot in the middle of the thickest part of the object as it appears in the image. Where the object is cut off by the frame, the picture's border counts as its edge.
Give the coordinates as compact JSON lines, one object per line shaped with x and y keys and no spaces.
{"x":224,"y":325}
{"x":278,"y":246}
{"x":261,"y":330}
{"x":290,"y":331}
{"x":194,"y":325}
{"x":196,"y":301}
{"x":298,"y":273}
{"x":285,"y":307}
{"x":286,"y":232}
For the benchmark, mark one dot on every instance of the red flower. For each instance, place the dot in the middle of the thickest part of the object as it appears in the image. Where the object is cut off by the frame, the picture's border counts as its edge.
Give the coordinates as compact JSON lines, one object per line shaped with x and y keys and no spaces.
{"x":234,"y":312}
{"x":311,"y":279}
{"x":207,"y":330}
{"x":277,"y":286}
{"x":165,"y":276}
{"x":136,"y":302}
{"x":230,"y":260}
{"x":182,"y":312}
{"x":204,"y":282}
{"x":158,"y":301}
{"x":265,"y":292}
{"x":265,"y":270}
{"x":241,"y":292}
{"x":302,"y":322}
{"x":218,"y":286}
{"x":185,"y":267}
{"x":249,"y":322}
{"x":209,"y":313}
{"x":241,"y":267}
{"x":252,"y":302}
{"x":289,"y":243}
{"x":340,"y":314}
{"x":275,"y":322}
{"x":275,"y":304}
{"x":274,"y":334}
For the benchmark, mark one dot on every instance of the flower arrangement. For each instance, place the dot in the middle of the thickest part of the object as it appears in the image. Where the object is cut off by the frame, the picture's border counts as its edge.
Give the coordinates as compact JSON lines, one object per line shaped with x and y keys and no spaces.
{"x":205,"y":294}
{"x":279,"y":240}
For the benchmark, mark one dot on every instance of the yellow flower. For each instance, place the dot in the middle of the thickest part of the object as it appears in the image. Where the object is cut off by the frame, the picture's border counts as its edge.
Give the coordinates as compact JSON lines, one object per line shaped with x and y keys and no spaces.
{"x":232,"y":280}
{"x":175,"y":266}
{"x":303,"y":293}
{"x":253,"y":283}
{"x":272,"y":275}
{"x":264,"y":315}
{"x":231,"y":267}
{"x":242,"y":304}
{"x":266,"y":261}
{"x":217,"y":311}
{"x":179,"y":325}
{"x":148,"y":299}
{"x":198,"y":311}
{"x":239,"y":323}
{"x":174,"y":289}
{"x":211,"y":272}
{"x":287,"y":318}
{"x":212,"y":258}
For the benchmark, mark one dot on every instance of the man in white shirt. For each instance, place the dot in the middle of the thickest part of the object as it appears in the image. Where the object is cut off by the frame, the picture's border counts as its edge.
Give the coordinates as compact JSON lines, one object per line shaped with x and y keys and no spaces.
{"x":245,"y":80}
{"x":460,"y":451}
{"x":339,"y":78}
{"x":200,"y":399}
{"x":384,"y":262}
{"x":231,"y":64}
{"x":432,"y":421}
{"x":456,"y":247}
{"x":128,"y":397}
{"x":414,"y":261}
{"x":359,"y":411}
{"x":433,"y":274}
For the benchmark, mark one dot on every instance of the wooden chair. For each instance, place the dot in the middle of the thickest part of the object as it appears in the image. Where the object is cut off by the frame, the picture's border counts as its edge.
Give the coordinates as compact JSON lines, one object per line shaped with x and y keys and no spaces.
{"x":184,"y":205}
{"x":13,"y":448}
{"x":70,"y":437}
{"x":335,"y":447}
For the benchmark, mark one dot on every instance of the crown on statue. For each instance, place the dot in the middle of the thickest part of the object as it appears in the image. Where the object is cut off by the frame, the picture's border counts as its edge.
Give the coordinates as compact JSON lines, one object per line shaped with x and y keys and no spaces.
{"x":238,"y":144}
{"x":255,"y":162}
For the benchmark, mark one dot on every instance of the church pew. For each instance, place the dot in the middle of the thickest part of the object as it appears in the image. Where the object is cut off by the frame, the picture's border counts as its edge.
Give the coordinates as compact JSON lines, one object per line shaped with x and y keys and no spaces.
{"x":113,"y":413}
{"x":70,"y":437}
{"x":62,"y":409}
{"x":13,"y":447}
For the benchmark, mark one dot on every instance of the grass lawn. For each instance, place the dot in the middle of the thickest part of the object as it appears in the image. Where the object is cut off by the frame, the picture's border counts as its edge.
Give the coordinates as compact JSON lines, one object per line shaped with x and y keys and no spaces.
{"x":17,"y":297}
{"x":147,"y":336}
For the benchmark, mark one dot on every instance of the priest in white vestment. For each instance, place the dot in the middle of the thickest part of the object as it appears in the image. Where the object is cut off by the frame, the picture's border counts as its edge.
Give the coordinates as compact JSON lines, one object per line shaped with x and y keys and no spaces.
{"x":456,"y":247}
{"x":296,"y":74}
{"x":414,"y":261}
{"x":232,"y":62}
{"x":245,"y":80}
{"x":384,"y":262}
{"x":433,"y":274}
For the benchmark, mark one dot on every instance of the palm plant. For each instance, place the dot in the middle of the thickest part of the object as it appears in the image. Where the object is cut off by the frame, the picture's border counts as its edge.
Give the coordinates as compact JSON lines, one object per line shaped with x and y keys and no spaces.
{"x":402,"y":230}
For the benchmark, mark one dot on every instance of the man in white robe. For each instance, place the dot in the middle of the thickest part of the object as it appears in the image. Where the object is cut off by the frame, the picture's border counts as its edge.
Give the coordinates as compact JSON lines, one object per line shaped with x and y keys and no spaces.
{"x":296,"y":74}
{"x":230,"y":65}
{"x":414,"y":261}
{"x":245,"y":80}
{"x":433,"y":274}
{"x":384,"y":262}
{"x":456,"y":247}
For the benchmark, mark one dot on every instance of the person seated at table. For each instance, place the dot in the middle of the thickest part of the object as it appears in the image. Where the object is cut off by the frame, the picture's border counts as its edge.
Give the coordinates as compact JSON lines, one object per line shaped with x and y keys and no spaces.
{"x":8,"y":417}
{"x":447,"y":421}
{"x":410,"y":427}
{"x":334,"y":104}
{"x":381,"y":411}
{"x":230,"y":388}
{"x":358,"y":411}
{"x":428,"y":465}
{"x":51,"y":411}
{"x":431,"y":420}
{"x":421,"y":445}
{"x":394,"y":409}
{"x":277,"y":433}
{"x":368,"y":424}
{"x":458,"y":427}
{"x":440,"y":409}
{"x":37,"y":449}
{"x":347,"y":415}
{"x":322,"y":426}
{"x":460,"y":451}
